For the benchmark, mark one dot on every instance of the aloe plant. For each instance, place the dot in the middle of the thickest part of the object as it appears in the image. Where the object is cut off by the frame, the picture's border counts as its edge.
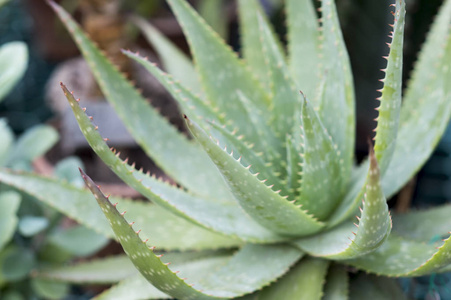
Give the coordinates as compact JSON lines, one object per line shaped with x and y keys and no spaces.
{"x":285,"y":194}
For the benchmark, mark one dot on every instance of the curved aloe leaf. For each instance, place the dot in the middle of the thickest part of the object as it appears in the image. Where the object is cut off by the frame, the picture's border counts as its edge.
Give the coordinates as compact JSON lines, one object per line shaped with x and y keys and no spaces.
{"x":141,"y":119}
{"x":223,"y":217}
{"x":399,"y":257}
{"x":175,"y":62}
{"x":426,"y":110}
{"x":241,"y":268}
{"x":294,"y":165}
{"x":322,"y":167}
{"x":167,"y":231}
{"x":13,"y":63}
{"x":337,"y":283}
{"x":296,"y":285}
{"x":263,"y":204}
{"x":389,"y":110}
{"x":9,"y":205}
{"x":373,"y":229}
{"x":303,"y":37}
{"x":339,"y":94}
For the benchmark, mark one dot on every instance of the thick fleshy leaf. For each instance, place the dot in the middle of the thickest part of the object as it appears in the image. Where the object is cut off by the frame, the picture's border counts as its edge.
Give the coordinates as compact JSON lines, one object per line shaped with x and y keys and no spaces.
{"x":303,"y":37}
{"x":172,"y":149}
{"x":7,"y":138}
{"x":13,"y":63}
{"x":373,"y":229}
{"x":366,"y":286}
{"x":294,"y":165}
{"x":220,"y":84}
{"x":389,"y":110}
{"x":304,"y":281}
{"x":98,"y":271}
{"x":9,"y":205}
{"x":337,"y":283}
{"x":212,"y":11}
{"x":220,"y":216}
{"x":322,"y":167}
{"x":242,"y":274}
{"x":174,"y":61}
{"x":48,"y":289}
{"x":33,"y":143}
{"x":424,"y":225}
{"x":263,"y":204}
{"x":399,"y":257}
{"x":338,"y":97}
{"x":427,"y":107}
{"x":249,"y":12}
{"x":167,"y":231}
{"x":31,"y":225}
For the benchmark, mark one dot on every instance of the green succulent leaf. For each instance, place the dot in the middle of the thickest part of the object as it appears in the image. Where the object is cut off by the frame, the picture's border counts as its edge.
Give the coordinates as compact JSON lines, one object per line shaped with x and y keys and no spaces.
{"x":31,"y":225}
{"x":241,"y":268}
{"x":338,"y":97}
{"x":373,"y":229}
{"x":7,"y":138}
{"x":294,"y":165}
{"x":263,"y":204}
{"x":141,"y":119}
{"x":212,"y":12}
{"x":399,"y":257}
{"x":337,"y":283}
{"x":13,"y":63}
{"x":48,"y":289}
{"x":296,"y":285}
{"x":175,"y":62}
{"x":303,"y":48}
{"x":222,"y":217}
{"x":426,"y":108}
{"x":322,"y":167}
{"x":367,"y":286}
{"x":389,"y":110}
{"x":9,"y":205}
{"x":97,"y":271}
{"x":167,"y":231}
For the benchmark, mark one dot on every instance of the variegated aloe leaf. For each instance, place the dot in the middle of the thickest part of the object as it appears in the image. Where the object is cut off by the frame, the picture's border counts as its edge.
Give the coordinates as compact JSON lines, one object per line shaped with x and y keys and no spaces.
{"x":227,"y":282}
{"x":9,"y":205}
{"x":337,"y":111}
{"x":399,"y":257}
{"x":373,"y":229}
{"x":263,"y":204}
{"x":13,"y":63}
{"x":337,"y":283}
{"x":167,"y":231}
{"x":222,"y":217}
{"x":303,"y":38}
{"x":141,"y":119}
{"x":174,"y":61}
{"x":322,"y":167}
{"x":389,"y":110}
{"x":426,"y":109}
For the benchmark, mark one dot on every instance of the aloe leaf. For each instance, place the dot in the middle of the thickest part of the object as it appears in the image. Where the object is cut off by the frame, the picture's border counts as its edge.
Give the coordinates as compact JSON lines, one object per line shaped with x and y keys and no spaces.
{"x":167,"y":231}
{"x":389,"y":110}
{"x":337,"y":283}
{"x":223,"y":217}
{"x":31,"y":225}
{"x":97,"y":271}
{"x":249,"y":12}
{"x":13,"y":63}
{"x":175,"y":62}
{"x":285,"y":99}
{"x":373,"y":229}
{"x":220,"y":84}
{"x":7,"y":138}
{"x":367,"y":286}
{"x":304,"y":281}
{"x":303,"y":37}
{"x":33,"y":143}
{"x":426,"y":109}
{"x":212,"y":11}
{"x":241,"y":268}
{"x":399,"y":257}
{"x":47,"y":289}
{"x":9,"y":205}
{"x":322,"y":167}
{"x":339,"y":93}
{"x":172,"y":148}
{"x":294,"y":166}
{"x":263,"y":204}
{"x":424,"y":225}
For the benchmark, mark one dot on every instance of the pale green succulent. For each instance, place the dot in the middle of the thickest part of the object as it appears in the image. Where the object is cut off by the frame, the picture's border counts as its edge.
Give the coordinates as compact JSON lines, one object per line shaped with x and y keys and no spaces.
{"x":284,"y":195}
